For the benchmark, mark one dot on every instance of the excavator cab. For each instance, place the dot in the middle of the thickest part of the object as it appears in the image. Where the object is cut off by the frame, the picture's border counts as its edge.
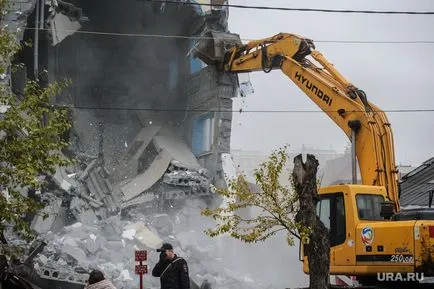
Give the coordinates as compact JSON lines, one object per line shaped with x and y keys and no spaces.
{"x":343,"y":209}
{"x":363,"y":241}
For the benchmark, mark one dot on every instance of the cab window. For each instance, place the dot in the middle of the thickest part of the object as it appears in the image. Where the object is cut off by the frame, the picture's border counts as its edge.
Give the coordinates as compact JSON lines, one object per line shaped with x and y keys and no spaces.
{"x":369,"y":207}
{"x":331,"y":211}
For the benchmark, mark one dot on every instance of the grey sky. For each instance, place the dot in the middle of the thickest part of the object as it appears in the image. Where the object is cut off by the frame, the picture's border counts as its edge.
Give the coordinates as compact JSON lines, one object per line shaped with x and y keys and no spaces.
{"x":394,"y":76}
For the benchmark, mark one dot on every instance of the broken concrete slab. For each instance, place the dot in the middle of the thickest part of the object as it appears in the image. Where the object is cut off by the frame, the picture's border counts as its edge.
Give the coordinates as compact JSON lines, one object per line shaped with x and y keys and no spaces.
{"x":128,"y":165}
{"x":92,"y":245}
{"x":163,"y":224}
{"x":61,"y":27}
{"x":84,"y":174}
{"x":42,"y":226}
{"x":145,"y":198}
{"x":78,"y":254}
{"x":151,"y":176}
{"x":176,"y":147}
{"x":129,"y":234}
{"x":63,"y":180}
{"x":125,"y":276}
{"x":112,"y":228}
{"x":82,"y":211}
{"x":144,"y":235}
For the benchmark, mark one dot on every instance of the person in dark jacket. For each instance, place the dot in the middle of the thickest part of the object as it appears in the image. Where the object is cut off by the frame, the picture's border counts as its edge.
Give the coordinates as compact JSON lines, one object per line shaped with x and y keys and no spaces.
{"x":172,"y":270}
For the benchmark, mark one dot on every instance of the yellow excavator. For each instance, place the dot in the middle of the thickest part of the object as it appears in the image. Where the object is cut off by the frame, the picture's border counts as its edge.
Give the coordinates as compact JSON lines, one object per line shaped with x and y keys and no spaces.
{"x":369,"y":233}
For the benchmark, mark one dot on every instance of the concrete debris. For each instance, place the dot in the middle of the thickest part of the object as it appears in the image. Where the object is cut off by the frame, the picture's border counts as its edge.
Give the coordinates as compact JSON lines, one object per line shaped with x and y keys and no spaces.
{"x":146,"y":180}
{"x":140,"y":200}
{"x":135,"y":182}
{"x":129,"y":164}
{"x":196,"y":181}
{"x":61,"y":27}
{"x":163,"y":224}
{"x":145,"y":236}
{"x":109,"y":245}
{"x":177,"y":148}
{"x":75,"y":252}
{"x":99,"y":187}
{"x":82,"y":211}
{"x":64,"y":181}
{"x":125,"y":276}
{"x":43,"y":225}
{"x":95,"y":204}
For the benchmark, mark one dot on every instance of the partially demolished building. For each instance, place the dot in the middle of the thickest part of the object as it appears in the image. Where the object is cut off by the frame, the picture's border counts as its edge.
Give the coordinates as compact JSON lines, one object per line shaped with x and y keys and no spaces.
{"x":150,"y":124}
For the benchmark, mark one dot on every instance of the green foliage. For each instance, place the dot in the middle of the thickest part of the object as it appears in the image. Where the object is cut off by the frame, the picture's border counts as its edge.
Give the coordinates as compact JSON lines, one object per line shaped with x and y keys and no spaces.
{"x":277,"y":205}
{"x":31,"y":142}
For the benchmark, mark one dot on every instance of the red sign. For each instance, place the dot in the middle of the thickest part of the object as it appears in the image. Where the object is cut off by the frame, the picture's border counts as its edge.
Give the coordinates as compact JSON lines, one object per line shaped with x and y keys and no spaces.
{"x":141,"y":255}
{"x":141,"y":269}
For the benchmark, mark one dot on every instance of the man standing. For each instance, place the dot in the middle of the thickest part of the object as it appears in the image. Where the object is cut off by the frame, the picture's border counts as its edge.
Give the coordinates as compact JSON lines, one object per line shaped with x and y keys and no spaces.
{"x":172,"y":270}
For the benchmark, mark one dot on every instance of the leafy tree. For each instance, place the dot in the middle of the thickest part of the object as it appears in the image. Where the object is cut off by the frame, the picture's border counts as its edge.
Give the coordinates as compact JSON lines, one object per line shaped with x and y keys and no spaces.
{"x":276,"y":203}
{"x":279,"y":209}
{"x":31,"y":142}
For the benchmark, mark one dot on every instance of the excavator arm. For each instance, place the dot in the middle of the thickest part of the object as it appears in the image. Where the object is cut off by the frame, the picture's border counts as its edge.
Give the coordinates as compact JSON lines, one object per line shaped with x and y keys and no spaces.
{"x":364,"y":123}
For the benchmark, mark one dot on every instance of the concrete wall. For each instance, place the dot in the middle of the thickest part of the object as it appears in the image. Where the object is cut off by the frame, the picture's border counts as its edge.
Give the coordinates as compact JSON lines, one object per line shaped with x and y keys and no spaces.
{"x":210,"y":91}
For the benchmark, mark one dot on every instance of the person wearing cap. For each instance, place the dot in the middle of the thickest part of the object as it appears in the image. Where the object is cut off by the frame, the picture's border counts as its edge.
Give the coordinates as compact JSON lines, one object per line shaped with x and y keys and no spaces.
{"x":171,"y":269}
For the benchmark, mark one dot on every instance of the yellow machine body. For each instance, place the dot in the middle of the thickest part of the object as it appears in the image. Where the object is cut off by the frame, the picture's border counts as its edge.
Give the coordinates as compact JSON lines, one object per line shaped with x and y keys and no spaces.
{"x":363,"y":243}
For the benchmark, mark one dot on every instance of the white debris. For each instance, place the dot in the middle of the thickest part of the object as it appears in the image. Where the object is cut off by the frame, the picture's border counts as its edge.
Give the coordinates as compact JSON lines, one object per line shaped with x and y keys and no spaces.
{"x":129,"y":234}
{"x":70,"y":241}
{"x":125,"y":276}
{"x":72,"y":175}
{"x":92,"y":236}
{"x":77,"y":253}
{"x":42,"y":259}
{"x":76,"y":225}
{"x":145,"y":236}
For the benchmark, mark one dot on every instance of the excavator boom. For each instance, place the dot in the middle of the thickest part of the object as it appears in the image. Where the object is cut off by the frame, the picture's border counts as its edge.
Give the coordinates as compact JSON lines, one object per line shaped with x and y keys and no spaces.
{"x":363,"y":122}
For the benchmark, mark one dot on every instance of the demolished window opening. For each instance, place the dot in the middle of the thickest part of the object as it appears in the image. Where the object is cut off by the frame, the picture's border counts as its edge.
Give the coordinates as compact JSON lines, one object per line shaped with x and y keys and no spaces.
{"x":203,"y":133}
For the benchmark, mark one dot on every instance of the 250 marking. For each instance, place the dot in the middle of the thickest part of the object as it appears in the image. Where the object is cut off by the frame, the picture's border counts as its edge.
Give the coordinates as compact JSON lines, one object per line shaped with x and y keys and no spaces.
{"x":401,"y":259}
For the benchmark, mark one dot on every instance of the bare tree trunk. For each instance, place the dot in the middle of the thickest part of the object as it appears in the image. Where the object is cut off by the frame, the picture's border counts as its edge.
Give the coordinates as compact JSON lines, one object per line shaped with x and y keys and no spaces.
{"x":3,"y":259}
{"x":318,"y":249}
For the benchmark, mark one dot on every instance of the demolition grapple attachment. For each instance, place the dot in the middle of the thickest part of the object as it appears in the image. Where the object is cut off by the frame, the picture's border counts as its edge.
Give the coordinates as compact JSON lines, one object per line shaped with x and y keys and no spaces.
{"x":212,"y":46}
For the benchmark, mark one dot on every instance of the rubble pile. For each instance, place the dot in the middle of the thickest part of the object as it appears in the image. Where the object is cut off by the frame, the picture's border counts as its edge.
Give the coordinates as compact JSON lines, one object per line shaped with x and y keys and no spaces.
{"x":98,"y":217}
{"x":110,"y":244}
{"x":189,"y":182}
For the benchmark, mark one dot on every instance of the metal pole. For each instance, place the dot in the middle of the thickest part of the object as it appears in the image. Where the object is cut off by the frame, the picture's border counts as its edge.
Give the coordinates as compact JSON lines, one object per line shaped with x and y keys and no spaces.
{"x":353,"y":155}
{"x":42,"y":15}
{"x":36,"y":44}
{"x":141,"y":277}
